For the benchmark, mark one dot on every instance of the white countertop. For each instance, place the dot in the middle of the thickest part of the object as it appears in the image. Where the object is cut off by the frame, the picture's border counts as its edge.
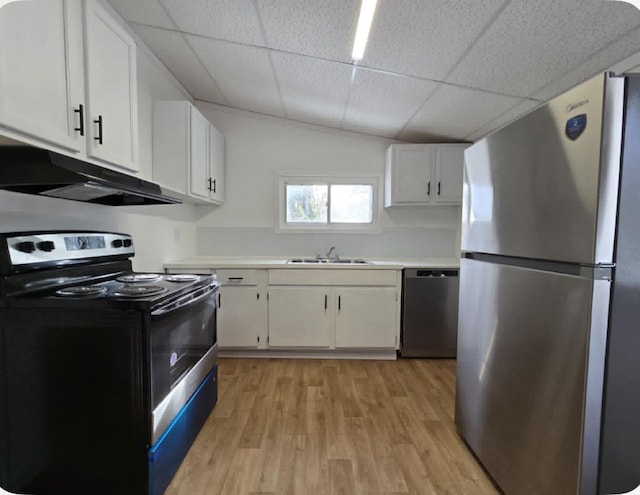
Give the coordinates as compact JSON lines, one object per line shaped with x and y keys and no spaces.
{"x":212,"y":262}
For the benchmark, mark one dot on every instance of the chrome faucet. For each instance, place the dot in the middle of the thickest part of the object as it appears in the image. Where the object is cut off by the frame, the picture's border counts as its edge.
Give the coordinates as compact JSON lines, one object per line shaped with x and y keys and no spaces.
{"x":333,"y":254}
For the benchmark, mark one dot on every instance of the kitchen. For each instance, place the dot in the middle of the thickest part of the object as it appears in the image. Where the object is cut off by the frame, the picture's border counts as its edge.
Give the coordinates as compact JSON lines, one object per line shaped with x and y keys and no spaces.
{"x":260,"y":144}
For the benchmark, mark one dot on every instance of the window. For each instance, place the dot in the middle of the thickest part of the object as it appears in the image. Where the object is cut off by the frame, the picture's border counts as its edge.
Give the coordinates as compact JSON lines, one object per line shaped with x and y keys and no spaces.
{"x":328,"y":203}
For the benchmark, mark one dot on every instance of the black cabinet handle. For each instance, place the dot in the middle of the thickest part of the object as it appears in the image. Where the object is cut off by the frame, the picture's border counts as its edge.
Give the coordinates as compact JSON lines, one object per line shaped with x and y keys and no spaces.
{"x":80,"y":112}
{"x":99,"y":122}
{"x":209,"y":186}
{"x":258,"y":296}
{"x":339,"y":303}
{"x":214,"y":185}
{"x":429,"y":188}
{"x":219,"y":300}
{"x":325,"y":302}
{"x":438,"y":189}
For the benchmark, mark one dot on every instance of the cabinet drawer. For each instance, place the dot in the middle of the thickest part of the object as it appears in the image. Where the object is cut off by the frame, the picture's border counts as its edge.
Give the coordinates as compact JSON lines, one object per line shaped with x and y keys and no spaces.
{"x":237,"y":277}
{"x":199,"y":271}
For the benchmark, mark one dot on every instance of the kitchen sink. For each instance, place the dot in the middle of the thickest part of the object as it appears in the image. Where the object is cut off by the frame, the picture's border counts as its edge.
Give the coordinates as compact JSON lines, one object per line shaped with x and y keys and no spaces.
{"x":331,"y":261}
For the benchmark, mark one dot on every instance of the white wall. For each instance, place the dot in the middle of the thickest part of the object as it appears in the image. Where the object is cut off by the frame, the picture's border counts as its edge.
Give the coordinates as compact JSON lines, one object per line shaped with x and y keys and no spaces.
{"x":257,"y":147}
{"x":160,"y":232}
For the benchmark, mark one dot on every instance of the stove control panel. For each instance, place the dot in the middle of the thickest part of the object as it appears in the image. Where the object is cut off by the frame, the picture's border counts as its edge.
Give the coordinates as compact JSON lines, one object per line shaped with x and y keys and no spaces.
{"x":51,"y":247}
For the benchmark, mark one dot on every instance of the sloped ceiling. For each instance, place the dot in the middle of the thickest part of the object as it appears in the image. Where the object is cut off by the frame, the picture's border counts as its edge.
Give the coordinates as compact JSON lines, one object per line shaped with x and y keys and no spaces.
{"x":434,"y":70}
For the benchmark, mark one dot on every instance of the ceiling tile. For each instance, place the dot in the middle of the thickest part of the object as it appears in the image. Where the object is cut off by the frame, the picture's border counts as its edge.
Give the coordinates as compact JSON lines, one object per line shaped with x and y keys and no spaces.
{"x":525,"y":106}
{"x":143,"y":11}
{"x":425,"y":38}
{"x":599,"y":62}
{"x":234,"y":20}
{"x":321,"y":29}
{"x":313,"y":90}
{"x":175,"y":54}
{"x":243,"y":73}
{"x":531,"y":44}
{"x":381,"y":103}
{"x":454,"y":112}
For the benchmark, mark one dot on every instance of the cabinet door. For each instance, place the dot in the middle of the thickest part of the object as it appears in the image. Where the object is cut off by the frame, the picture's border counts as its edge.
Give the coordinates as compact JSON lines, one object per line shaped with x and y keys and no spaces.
{"x":110,"y":67}
{"x":366,"y":317}
{"x":241,"y":316}
{"x":299,"y":317}
{"x":199,"y":170}
{"x":41,"y":71}
{"x":171,"y":144}
{"x":411,"y":176}
{"x":449,"y":170}
{"x":216,"y":165}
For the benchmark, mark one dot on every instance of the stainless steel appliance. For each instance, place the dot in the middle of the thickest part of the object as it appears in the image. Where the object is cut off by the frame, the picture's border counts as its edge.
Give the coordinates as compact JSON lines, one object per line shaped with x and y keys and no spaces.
{"x":429,"y":312}
{"x":548,"y":380}
{"x":30,"y":170}
{"x":106,"y":375}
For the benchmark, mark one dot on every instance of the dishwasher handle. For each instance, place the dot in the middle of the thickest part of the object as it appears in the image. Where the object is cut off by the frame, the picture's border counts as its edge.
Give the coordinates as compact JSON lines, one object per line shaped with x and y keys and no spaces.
{"x":430,"y":273}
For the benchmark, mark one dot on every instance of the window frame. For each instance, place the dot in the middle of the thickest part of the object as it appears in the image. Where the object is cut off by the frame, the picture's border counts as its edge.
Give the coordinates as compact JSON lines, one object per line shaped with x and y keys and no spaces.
{"x":282,"y":179}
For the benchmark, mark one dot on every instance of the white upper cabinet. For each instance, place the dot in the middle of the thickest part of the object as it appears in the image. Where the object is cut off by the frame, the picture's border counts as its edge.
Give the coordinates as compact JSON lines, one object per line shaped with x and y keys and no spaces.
{"x":188,"y":152}
{"x":424,"y":174}
{"x":68,"y":80}
{"x":200,"y":151}
{"x":449,"y":170}
{"x":216,"y":165}
{"x":112,"y":104}
{"x":41,"y":85}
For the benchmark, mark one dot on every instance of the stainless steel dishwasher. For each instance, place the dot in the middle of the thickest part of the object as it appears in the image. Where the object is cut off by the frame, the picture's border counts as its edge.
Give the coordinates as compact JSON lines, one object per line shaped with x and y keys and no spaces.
{"x":429,"y":313}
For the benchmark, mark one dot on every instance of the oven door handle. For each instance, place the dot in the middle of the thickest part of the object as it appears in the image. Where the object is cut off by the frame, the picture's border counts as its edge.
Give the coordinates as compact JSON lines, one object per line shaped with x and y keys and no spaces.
{"x":184,"y":301}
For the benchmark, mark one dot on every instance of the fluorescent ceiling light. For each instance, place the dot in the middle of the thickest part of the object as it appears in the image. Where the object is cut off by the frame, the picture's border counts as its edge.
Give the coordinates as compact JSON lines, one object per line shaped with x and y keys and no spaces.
{"x":367,"y":9}
{"x":635,"y":3}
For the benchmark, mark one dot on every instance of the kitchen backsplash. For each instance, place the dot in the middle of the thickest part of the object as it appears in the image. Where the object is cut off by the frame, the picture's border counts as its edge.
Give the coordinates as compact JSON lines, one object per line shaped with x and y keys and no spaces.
{"x":393,"y":242}
{"x":160,"y":232}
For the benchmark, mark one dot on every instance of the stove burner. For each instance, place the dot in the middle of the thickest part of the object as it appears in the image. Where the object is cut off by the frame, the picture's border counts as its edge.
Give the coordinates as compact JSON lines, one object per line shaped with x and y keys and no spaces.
{"x":139,"y":291}
{"x":82,"y":291}
{"x":182,"y":277}
{"x":139,"y":277}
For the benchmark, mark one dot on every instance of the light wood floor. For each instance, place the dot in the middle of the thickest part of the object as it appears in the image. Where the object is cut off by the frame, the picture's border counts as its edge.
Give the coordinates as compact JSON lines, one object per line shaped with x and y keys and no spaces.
{"x":289,"y":426}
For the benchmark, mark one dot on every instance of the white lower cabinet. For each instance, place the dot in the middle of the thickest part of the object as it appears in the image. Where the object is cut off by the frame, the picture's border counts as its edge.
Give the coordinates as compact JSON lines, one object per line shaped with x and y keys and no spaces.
{"x":299,"y":317}
{"x":241,"y":315}
{"x":334,"y":309}
{"x":242,"y":309}
{"x":366,"y":317}
{"x":307,"y":309}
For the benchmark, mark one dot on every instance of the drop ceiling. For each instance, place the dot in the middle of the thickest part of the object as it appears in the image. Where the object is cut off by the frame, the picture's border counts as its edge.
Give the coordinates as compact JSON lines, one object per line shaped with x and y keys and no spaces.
{"x":433,"y":70}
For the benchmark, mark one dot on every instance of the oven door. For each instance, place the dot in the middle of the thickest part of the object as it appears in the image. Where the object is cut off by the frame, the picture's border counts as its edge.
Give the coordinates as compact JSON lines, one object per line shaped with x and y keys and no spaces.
{"x":183,"y":352}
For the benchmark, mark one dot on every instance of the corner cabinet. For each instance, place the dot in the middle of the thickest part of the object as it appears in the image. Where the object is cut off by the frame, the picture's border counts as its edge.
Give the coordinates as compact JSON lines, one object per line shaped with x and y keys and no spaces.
{"x":68,"y":80}
{"x":242,"y":307}
{"x":424,"y":174}
{"x":188,"y":152}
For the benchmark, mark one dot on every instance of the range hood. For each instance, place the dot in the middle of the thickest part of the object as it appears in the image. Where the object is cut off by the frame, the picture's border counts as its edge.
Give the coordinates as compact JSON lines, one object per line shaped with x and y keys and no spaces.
{"x":30,"y":170}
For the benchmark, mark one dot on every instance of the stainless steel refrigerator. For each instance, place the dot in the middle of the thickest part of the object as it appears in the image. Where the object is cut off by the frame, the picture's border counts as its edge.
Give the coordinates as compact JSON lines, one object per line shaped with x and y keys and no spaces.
{"x":548,"y":370}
